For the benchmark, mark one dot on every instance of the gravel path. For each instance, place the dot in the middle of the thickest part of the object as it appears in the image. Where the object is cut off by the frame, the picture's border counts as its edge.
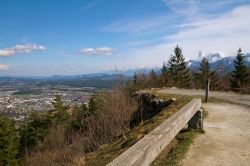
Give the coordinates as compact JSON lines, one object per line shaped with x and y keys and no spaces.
{"x":229,"y":96}
{"x":226,"y":141}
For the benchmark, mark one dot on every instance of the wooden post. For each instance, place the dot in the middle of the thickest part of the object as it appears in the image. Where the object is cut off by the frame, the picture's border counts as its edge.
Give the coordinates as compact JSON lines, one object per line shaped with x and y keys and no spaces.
{"x":207,"y":90}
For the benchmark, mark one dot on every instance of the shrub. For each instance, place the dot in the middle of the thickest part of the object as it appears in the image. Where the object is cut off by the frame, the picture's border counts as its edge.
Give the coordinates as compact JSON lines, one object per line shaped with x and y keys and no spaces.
{"x":59,"y":149}
{"x":9,"y":142}
{"x":34,"y":131}
{"x":66,"y":138}
{"x":111,"y":115}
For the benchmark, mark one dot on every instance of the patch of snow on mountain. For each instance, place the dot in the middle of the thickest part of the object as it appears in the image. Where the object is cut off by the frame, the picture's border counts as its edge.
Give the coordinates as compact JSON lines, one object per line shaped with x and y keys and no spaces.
{"x":247,"y":57}
{"x":213,"y":57}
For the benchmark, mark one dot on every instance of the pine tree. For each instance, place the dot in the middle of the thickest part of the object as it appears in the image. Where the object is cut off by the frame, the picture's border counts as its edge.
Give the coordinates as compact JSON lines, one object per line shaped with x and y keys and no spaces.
{"x":164,"y":69}
{"x":61,"y":110}
{"x":9,"y":142}
{"x":204,"y":74}
{"x":153,"y":79}
{"x":135,"y":78}
{"x":178,"y":69}
{"x":164,"y":75}
{"x":139,"y":80}
{"x":34,"y":131}
{"x":239,"y":75}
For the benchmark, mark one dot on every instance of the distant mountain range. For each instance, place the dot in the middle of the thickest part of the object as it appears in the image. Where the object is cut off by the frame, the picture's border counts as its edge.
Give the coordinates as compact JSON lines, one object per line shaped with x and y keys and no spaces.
{"x":97,"y":80}
{"x":217,"y":62}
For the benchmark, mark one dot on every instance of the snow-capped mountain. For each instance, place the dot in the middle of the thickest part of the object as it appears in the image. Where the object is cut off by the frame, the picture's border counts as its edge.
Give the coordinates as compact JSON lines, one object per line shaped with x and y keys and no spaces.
{"x":217,"y":62}
{"x":214,"y":57}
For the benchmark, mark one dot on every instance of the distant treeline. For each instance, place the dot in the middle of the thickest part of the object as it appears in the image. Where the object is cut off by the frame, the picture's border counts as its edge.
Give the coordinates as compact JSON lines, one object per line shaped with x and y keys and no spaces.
{"x":28,"y":92}
{"x":97,"y":83}
{"x":176,"y":73}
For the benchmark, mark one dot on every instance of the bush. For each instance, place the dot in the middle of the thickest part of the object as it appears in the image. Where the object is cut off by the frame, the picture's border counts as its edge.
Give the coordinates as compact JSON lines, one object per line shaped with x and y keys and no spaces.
{"x":149,"y":106}
{"x":35,"y":130}
{"x":64,"y":138}
{"x":9,"y":142}
{"x":59,"y":149}
{"x":78,"y":119}
{"x":111,"y":116}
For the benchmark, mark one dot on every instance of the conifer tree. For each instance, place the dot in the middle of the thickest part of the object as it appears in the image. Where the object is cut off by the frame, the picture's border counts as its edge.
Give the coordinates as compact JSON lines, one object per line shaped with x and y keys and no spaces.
{"x":61,"y":110}
{"x":239,"y":75}
{"x":34,"y":131}
{"x":204,"y":74}
{"x":164,"y":68}
{"x":153,"y":79}
{"x":164,"y":75}
{"x":9,"y":142}
{"x":135,"y":78}
{"x":139,"y":80}
{"x":178,"y":69}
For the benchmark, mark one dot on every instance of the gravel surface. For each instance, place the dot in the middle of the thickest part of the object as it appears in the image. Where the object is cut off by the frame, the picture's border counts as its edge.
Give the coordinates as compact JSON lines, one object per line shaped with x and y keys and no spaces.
{"x":226,"y":141}
{"x":229,"y":96}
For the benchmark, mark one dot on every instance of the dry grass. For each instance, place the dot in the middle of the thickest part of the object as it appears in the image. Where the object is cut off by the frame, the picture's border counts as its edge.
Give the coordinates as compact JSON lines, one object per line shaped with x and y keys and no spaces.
{"x":113,"y":118}
{"x":108,"y":152}
{"x":172,"y":156}
{"x":107,"y":133}
{"x":58,"y":150}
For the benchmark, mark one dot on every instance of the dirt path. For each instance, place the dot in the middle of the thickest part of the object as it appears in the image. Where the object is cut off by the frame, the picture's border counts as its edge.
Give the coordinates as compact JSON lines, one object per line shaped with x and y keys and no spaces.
{"x":229,"y":96}
{"x":226,"y":140}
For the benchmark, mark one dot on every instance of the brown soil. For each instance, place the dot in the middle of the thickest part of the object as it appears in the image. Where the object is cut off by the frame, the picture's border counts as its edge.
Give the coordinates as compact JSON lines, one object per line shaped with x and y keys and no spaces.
{"x":226,"y":141}
{"x":227,"y":138}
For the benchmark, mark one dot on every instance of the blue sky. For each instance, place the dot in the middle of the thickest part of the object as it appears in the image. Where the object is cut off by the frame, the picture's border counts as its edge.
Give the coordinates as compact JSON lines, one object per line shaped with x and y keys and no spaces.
{"x":47,"y":37}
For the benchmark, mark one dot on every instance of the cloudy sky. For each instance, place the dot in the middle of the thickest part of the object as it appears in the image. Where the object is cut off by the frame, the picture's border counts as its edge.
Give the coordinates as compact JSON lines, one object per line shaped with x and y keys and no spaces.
{"x":46,"y":37}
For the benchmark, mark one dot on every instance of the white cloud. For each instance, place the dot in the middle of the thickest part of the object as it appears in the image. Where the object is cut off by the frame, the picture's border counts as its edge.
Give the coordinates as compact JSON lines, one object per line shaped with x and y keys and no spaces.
{"x":221,"y":34}
{"x":137,"y":25}
{"x":132,"y":26}
{"x":184,"y":7}
{"x":90,"y":5}
{"x":224,"y":33}
{"x":4,"y":67}
{"x":21,"y":48}
{"x":97,"y":51}
{"x":194,"y":9}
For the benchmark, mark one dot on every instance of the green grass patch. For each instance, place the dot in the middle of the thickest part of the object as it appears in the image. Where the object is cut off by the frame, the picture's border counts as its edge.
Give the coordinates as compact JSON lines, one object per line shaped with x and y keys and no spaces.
{"x":109,"y":152}
{"x":214,"y":100}
{"x":185,"y":139}
{"x":210,"y":99}
{"x":204,"y":113}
